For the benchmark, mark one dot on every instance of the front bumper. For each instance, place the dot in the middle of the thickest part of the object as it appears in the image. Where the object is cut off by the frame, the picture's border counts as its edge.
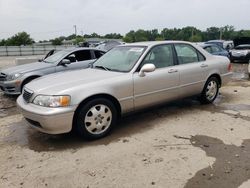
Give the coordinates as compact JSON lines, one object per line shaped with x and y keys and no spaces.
{"x":240,"y":59}
{"x":47,"y":120}
{"x":12,"y":87}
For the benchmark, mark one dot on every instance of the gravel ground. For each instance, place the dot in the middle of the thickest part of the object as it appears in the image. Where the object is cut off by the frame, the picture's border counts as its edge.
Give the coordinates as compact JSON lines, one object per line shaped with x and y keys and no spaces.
{"x":180,"y":144}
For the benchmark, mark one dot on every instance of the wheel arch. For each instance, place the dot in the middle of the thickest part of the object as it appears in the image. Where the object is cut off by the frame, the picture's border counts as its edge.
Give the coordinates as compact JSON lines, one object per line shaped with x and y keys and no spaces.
{"x":92,"y":97}
{"x":29,"y":78}
{"x":216,"y":75}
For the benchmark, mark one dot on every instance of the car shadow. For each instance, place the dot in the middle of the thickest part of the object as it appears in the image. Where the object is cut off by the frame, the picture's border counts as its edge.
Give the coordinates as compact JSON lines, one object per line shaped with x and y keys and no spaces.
{"x":23,"y":135}
{"x":140,"y":122}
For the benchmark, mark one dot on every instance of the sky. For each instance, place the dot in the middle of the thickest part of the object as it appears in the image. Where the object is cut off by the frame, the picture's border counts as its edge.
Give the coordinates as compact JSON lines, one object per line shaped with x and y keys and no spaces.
{"x":47,"y":19}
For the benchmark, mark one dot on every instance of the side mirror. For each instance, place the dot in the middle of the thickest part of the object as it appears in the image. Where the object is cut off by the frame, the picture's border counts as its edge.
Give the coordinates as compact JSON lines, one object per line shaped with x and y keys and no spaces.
{"x":146,"y":68}
{"x":90,"y":65}
{"x":65,"y":62}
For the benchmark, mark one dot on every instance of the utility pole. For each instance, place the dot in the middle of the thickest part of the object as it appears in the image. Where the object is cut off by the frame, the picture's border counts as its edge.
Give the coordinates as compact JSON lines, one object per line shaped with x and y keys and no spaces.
{"x":75,"y":29}
{"x":192,"y":37}
{"x":220,"y":33}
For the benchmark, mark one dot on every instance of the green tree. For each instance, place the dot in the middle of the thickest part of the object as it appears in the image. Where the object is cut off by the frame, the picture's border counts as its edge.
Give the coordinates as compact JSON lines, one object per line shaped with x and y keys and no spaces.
{"x":70,"y":37}
{"x":140,"y":35}
{"x":113,"y":36}
{"x":19,"y":39}
{"x":56,"y":41}
{"x":151,"y":35}
{"x":129,"y":37}
{"x":170,"y":34}
{"x":78,"y":40}
{"x":228,"y":32}
{"x":211,"y":33}
{"x":95,"y":35}
{"x":3,"y":42}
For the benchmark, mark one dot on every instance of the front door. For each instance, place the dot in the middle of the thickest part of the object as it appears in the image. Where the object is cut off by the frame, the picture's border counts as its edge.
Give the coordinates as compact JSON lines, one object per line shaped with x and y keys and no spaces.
{"x":79,"y":60}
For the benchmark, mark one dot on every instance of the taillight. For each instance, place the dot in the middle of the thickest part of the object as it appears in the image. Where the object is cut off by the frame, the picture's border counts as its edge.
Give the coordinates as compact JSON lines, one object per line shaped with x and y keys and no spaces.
{"x":229,"y":68}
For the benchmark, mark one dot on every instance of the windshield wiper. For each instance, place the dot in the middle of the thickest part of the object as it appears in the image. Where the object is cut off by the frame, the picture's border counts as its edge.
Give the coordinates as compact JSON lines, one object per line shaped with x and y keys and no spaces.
{"x":102,"y":67}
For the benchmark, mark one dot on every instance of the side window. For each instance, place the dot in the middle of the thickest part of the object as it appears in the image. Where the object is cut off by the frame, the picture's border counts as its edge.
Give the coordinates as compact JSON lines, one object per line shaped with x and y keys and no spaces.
{"x":71,"y":57}
{"x":215,"y":49}
{"x":200,"y":56}
{"x":83,"y":55}
{"x":208,"y":49}
{"x":161,"y":56}
{"x":187,"y":54}
{"x":98,"y":54}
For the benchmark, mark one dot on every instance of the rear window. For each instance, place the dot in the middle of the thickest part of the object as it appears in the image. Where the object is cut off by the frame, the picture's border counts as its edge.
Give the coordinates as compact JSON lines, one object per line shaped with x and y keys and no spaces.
{"x":187,"y":54}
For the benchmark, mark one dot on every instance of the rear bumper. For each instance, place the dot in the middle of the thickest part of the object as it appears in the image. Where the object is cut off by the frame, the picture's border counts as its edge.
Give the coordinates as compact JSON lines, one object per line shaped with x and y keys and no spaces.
{"x":11,"y":87}
{"x":225,"y":78}
{"x":47,"y":120}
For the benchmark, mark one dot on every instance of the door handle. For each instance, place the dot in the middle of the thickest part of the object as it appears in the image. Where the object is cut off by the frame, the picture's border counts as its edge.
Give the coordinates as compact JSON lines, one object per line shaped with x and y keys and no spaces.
{"x":204,"y":65}
{"x":172,"y":71}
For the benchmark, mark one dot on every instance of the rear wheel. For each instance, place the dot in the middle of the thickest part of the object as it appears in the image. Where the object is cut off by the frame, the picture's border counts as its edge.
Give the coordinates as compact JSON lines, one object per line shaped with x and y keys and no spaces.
{"x":210,"y":91}
{"x":96,"y":118}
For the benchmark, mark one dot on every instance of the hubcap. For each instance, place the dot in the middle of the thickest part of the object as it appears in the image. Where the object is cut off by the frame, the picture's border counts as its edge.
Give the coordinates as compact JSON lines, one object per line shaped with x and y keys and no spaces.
{"x":98,"y":119}
{"x":211,"y":90}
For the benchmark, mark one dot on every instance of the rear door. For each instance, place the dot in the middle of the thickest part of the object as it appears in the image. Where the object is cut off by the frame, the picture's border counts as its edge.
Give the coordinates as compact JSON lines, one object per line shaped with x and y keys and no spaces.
{"x":192,"y":68}
{"x":160,"y":85}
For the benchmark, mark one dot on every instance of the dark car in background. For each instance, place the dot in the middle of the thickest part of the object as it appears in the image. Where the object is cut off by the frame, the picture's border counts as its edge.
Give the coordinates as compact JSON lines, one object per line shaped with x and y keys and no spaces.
{"x":215,"y":50}
{"x":240,"y":54}
{"x":108,"y":45}
{"x":227,"y":45}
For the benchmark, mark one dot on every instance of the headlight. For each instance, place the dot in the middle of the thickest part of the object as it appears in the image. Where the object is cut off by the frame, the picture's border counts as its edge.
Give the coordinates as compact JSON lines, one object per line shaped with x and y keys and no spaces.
{"x":14,"y":76}
{"x":52,"y":101}
{"x":245,"y":52}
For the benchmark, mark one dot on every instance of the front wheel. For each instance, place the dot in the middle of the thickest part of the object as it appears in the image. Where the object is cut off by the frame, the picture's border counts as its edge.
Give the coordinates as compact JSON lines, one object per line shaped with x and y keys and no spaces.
{"x":96,"y":118}
{"x":210,"y":91}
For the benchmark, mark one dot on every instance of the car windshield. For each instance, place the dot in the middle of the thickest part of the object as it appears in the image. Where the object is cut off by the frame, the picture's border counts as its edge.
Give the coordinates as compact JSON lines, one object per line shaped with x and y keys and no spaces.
{"x":56,"y":57}
{"x":121,"y":59}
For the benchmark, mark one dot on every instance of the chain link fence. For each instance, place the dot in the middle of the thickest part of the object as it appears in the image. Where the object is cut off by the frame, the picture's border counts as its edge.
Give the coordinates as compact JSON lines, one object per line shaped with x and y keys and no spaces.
{"x":29,"y":50}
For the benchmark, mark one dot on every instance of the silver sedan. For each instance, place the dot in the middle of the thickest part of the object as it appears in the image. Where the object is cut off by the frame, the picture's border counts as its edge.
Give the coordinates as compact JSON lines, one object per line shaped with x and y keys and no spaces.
{"x":126,"y":79}
{"x":13,"y":79}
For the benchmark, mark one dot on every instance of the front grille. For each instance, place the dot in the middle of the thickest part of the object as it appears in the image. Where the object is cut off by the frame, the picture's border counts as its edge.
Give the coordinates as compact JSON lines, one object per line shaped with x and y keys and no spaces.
{"x":3,"y":77}
{"x":27,"y":95}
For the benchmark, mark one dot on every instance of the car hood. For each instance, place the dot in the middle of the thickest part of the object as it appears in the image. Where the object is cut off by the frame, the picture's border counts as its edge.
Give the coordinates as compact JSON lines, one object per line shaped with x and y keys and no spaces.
{"x":62,"y":82}
{"x":26,"y":68}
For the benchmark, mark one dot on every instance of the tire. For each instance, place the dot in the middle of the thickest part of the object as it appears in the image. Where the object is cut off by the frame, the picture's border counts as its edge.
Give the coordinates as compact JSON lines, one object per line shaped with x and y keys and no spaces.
{"x":210,"y":91}
{"x":95,"y":119}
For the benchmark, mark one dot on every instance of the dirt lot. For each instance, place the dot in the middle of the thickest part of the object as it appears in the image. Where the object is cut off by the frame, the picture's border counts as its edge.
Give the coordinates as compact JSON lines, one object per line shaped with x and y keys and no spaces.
{"x":182,"y":144}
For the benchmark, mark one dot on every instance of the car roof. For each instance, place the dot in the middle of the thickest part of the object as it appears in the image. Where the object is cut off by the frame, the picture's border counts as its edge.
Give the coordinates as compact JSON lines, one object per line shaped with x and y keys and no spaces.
{"x":216,"y":41}
{"x":73,"y":49}
{"x":243,"y":45}
{"x":208,"y":44}
{"x":153,"y":43}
